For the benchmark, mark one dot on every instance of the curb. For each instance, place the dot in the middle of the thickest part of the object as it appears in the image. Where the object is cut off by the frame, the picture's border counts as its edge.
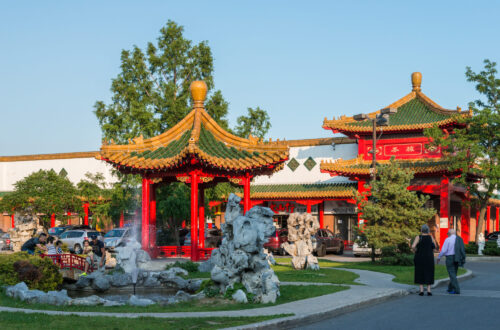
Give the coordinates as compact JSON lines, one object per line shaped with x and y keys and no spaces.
{"x":445,"y":281}
{"x":479,"y":259}
{"x":298,"y":320}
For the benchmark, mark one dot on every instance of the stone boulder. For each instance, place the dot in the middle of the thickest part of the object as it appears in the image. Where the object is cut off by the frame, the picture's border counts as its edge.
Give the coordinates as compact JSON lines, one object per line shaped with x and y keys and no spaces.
{"x":83,"y":282}
{"x":120,"y":279}
{"x":206,"y":266}
{"x":301,"y":228}
{"x":88,"y":301}
{"x":135,"y":301}
{"x":101,"y":284}
{"x":240,"y":296}
{"x":58,"y":298}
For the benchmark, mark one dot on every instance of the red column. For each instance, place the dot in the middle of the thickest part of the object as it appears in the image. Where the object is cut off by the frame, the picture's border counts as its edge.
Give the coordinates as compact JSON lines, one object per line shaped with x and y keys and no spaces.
{"x":201,"y":217}
{"x":361,"y":190}
{"x":86,"y":211}
{"x":145,"y":215}
{"x":246,"y":193}
{"x":194,"y":216}
{"x":69,"y":218}
{"x":321,"y":211}
{"x":308,"y":208}
{"x":152,"y":217}
{"x":53,"y":220}
{"x":444,"y":209}
{"x":122,"y":219}
{"x":488,"y":216}
{"x":13,"y":221}
{"x":497,"y":218}
{"x":465,"y":222}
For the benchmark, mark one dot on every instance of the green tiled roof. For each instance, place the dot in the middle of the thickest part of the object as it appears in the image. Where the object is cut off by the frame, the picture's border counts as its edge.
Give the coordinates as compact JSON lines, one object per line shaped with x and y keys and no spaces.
{"x":413,"y":112}
{"x":301,"y":191}
{"x":172,"y":149}
{"x":216,"y":148}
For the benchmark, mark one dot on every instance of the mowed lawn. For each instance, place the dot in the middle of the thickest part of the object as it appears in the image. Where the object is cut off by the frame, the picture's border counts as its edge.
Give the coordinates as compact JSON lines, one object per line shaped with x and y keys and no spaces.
{"x":13,"y":320}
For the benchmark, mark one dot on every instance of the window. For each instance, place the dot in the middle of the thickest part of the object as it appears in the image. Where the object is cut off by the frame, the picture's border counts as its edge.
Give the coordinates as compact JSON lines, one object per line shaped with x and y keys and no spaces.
{"x":65,"y":235}
{"x":76,"y":234}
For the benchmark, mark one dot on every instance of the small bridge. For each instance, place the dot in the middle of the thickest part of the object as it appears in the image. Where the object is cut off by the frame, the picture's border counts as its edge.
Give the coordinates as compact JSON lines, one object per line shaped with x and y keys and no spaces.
{"x":68,"y":261}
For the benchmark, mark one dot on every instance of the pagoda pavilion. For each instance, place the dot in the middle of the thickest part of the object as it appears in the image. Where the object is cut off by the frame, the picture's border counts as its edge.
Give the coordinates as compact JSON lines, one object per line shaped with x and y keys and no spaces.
{"x":404,"y":140}
{"x":197,"y":152}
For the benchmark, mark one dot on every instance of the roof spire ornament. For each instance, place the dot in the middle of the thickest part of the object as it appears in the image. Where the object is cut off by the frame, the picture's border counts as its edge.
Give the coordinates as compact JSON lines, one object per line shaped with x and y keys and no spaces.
{"x":416,"y":81}
{"x":198,"y":93}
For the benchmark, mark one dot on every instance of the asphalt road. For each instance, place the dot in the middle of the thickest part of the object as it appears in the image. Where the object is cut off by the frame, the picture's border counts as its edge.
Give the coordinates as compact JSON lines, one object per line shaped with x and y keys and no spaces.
{"x":477,"y":307}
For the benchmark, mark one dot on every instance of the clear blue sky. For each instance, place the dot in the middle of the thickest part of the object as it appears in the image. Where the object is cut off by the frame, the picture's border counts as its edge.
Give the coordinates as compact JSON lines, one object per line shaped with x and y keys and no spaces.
{"x":299,"y":60}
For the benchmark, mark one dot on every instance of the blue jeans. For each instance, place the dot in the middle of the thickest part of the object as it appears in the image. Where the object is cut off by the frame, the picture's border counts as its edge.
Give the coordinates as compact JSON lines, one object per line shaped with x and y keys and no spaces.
{"x":29,"y":252}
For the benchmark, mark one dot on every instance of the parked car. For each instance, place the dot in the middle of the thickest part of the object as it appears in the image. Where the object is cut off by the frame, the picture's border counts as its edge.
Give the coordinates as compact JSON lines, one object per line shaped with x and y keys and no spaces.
{"x":275,"y":242}
{"x":5,"y":243}
{"x":326,"y":241}
{"x":57,"y":231}
{"x":493,"y":236}
{"x":117,"y":237}
{"x":74,"y":238}
{"x":213,"y":238}
{"x":361,"y":248}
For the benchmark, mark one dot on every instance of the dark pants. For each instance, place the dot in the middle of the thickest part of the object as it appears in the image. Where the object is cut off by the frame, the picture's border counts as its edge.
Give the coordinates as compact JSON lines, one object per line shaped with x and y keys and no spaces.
{"x":29,"y":252}
{"x":452,"y":268}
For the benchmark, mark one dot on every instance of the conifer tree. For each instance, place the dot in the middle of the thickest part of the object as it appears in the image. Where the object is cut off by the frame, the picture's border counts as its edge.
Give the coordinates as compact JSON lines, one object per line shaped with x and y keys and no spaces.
{"x":392,"y":214}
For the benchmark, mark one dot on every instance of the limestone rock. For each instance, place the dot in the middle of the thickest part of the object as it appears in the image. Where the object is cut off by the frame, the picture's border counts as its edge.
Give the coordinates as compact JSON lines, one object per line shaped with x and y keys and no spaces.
{"x":101,"y":284}
{"x":301,"y":227}
{"x":240,"y":257}
{"x":83,"y":282}
{"x":240,"y":296}
{"x":111,"y":303}
{"x":206,"y":266}
{"x":11,"y":291}
{"x":26,"y":226}
{"x":151,"y":282}
{"x":58,"y":298}
{"x":88,"y":301}
{"x":120,"y":279}
{"x":135,"y":301}
{"x":131,"y":256}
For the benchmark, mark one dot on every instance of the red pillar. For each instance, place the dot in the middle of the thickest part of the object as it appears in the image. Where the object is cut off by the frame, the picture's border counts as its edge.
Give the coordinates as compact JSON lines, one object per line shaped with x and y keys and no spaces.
{"x":246,"y":193}
{"x":145,"y":214}
{"x":321,"y":211}
{"x":465,"y":222}
{"x":152,"y":217}
{"x":497,"y":218}
{"x":194,"y":216}
{"x":13,"y":221}
{"x":444,"y":209}
{"x":86,"y":211}
{"x":122,"y":219}
{"x":361,"y":189}
{"x":53,"y":220}
{"x":488,"y":216}
{"x":201,"y":217}
{"x":308,"y":208}
{"x":69,"y":218}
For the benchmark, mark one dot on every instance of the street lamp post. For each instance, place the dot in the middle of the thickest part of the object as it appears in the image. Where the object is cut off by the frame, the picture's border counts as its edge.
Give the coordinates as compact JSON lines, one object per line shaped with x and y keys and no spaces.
{"x":381,"y":119}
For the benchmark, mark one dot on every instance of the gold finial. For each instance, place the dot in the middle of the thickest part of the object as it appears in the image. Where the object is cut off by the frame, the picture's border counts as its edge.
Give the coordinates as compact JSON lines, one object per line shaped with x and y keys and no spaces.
{"x":198,"y":93}
{"x":416,"y":81}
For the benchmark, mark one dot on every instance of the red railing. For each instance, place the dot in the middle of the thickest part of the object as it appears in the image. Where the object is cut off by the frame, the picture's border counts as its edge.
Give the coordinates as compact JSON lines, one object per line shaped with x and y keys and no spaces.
{"x":183,"y":252}
{"x":68,"y":260}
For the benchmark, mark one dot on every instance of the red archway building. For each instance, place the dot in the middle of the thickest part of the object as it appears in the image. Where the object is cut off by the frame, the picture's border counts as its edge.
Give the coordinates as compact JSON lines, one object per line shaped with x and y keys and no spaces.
{"x":404,"y":139}
{"x":198,"y":152}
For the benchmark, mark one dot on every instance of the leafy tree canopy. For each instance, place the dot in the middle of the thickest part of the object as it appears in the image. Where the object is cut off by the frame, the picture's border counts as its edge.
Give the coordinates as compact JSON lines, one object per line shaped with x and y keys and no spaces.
{"x":151,"y":93}
{"x":43,"y":193}
{"x":392,"y":213}
{"x":475,"y":149}
{"x":256,"y":122}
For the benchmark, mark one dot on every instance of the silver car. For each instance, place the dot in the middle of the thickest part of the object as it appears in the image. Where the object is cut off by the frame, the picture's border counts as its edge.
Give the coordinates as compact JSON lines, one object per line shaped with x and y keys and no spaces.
{"x":74,"y":238}
{"x":5,"y":243}
{"x":117,"y":237}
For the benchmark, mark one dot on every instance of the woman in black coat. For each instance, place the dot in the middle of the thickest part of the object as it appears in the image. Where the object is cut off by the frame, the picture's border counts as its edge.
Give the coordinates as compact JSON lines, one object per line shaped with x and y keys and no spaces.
{"x":424,"y":246}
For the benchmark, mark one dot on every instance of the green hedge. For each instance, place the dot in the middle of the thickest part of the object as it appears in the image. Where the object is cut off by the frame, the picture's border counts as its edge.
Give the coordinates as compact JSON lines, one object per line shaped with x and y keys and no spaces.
{"x":37,"y":273}
{"x":471,"y":248}
{"x":397,"y":255}
{"x":491,"y":249}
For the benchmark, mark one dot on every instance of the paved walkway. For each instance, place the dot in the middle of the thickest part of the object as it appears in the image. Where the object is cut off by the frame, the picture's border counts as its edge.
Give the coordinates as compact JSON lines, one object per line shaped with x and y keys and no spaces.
{"x":377,"y":286}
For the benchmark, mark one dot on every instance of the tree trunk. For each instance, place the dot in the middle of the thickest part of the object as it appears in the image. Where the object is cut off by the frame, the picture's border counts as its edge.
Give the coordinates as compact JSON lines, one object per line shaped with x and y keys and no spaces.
{"x":480,"y":221}
{"x":373,"y":254}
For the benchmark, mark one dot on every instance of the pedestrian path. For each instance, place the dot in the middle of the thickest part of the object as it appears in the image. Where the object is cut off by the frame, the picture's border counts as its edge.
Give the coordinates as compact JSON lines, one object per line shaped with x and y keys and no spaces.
{"x":377,"y":287}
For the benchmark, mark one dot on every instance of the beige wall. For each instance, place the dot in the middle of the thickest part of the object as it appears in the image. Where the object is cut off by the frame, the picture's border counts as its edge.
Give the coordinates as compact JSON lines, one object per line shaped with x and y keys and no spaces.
{"x":328,"y":220}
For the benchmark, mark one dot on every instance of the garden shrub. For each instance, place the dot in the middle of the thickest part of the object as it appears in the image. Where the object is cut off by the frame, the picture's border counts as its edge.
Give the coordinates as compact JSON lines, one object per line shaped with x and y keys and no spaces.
{"x":190,"y":266}
{"x":37,"y":273}
{"x":491,"y":249}
{"x":209,"y":288}
{"x":471,"y":248}
{"x":397,"y":255}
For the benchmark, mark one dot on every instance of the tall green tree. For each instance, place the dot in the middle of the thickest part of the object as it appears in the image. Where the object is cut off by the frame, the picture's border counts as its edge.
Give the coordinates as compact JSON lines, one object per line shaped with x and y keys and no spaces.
{"x":42,"y":194}
{"x":151,"y":93}
{"x":256,"y":122}
{"x":392,"y":214}
{"x":474,"y":149}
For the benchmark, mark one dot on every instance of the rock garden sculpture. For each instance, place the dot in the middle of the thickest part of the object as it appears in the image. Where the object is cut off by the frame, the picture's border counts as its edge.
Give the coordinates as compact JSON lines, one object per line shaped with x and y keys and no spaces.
{"x":240,"y":258}
{"x":301,"y":228}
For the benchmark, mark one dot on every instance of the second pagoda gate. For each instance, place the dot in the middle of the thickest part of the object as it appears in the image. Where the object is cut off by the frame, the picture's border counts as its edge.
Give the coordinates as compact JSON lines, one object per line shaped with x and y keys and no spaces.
{"x":197,"y":152}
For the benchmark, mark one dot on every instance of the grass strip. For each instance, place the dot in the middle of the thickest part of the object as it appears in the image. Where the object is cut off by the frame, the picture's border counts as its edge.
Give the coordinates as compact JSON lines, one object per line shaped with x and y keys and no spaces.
{"x":18,"y":320}
{"x":289,"y":293}
{"x":286,"y":273}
